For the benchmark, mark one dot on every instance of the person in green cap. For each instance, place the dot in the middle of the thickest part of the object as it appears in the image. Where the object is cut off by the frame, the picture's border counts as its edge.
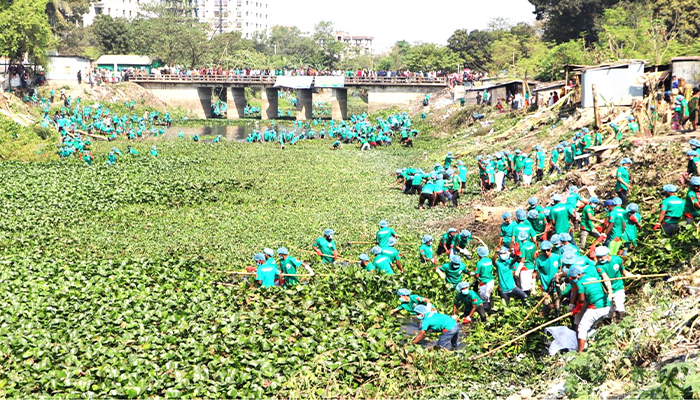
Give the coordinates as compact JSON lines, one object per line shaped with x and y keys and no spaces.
{"x":384,"y":234}
{"x":426,"y":250}
{"x":410,"y":301}
{"x":267,"y":271}
{"x":325,"y":247}
{"x":452,"y":271}
{"x":432,"y":321}
{"x":672,"y":208}
{"x":469,"y":301}
{"x":548,"y":265}
{"x":622,"y":179}
{"x":484,"y":275}
{"x":611,"y":266}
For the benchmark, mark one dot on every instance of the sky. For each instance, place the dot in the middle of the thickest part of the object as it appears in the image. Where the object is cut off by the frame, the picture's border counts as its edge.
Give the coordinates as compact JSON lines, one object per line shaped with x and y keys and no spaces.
{"x":392,"y":20}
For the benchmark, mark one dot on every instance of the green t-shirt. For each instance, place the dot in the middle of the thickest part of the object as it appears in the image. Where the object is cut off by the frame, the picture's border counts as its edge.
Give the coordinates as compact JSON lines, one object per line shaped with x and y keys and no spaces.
{"x":461,"y":241}
{"x":413,"y":301}
{"x":674,"y":206}
{"x":594,"y":293}
{"x":505,"y":274}
{"x":559,"y":214}
{"x":527,"y":166}
{"x":383,"y":236}
{"x":383,"y":263}
{"x":437,"y":322}
{"x":484,"y":268}
{"x":523,"y":226}
{"x":623,"y":174}
{"x":507,"y":232}
{"x":327,"y":248}
{"x":572,"y":200}
{"x":267,"y":273}
{"x":586,"y":222}
{"x":417,"y":179}
{"x":690,"y":199}
{"x":613,"y":269}
{"x":631,"y":232}
{"x":539,"y":223}
{"x":392,"y":253}
{"x":527,"y":251}
{"x":289,"y":266}
{"x":370,"y":267}
{"x":453,"y":275}
{"x":426,"y":251}
{"x":617,"y":219}
{"x":547,"y":268}
{"x":468,"y":300}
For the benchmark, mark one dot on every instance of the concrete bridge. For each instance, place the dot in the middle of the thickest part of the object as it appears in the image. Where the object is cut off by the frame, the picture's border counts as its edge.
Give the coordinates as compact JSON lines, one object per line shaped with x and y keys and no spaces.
{"x":194,"y":93}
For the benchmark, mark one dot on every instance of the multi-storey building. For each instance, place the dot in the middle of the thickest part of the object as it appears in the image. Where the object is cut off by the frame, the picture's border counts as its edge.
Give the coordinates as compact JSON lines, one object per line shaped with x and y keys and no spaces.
{"x":362,"y":42}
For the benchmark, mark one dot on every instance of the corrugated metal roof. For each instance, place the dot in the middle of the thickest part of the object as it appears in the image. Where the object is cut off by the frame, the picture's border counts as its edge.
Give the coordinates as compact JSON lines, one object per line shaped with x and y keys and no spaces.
{"x":123,"y":59}
{"x":495,"y":85}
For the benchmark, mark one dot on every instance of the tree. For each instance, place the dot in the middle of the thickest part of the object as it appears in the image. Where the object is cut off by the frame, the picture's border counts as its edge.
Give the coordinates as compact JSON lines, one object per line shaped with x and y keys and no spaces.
{"x":571,"y":52}
{"x":66,"y":15}
{"x":113,"y":35}
{"x":474,"y":47}
{"x":680,"y":15}
{"x":331,"y":50}
{"x":300,"y":50}
{"x":431,"y":57}
{"x":566,"y":20}
{"x":24,"y":29}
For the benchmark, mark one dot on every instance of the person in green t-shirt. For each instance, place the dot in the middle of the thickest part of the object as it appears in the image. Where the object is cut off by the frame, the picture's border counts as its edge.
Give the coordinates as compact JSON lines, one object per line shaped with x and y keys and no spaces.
{"x":691,"y":209}
{"x":547,"y":266}
{"x":525,"y":271}
{"x":587,"y":220}
{"x":610,"y":266}
{"x":267,"y":271}
{"x":447,"y":242}
{"x":560,"y":214}
{"x":505,"y":267}
{"x":410,"y":301}
{"x":432,"y":321}
{"x":672,"y":208}
{"x":288,"y":266}
{"x":325,"y":247}
{"x":382,"y":261}
{"x":384,"y":234}
{"x":554,"y":160}
{"x":366,"y":264}
{"x":633,"y":222}
{"x":591,"y":297}
{"x":470,"y":301}
{"x":460,"y":242}
{"x":426,"y":250}
{"x":452,"y":271}
{"x":506,"y":229}
{"x":615,"y":224}
{"x":484,"y":275}
{"x":622,"y":179}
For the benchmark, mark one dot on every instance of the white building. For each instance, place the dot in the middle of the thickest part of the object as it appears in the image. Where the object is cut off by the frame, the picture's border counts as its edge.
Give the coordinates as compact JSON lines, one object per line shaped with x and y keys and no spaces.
{"x":65,"y":68}
{"x":364,"y":43}
{"x":246,"y":16}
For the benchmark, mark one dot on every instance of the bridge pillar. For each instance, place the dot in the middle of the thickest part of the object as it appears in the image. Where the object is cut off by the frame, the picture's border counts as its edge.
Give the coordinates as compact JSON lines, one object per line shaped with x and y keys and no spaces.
{"x":204,"y":94}
{"x":236,"y":103}
{"x":304,"y":104}
{"x":270,"y":102}
{"x":339,"y":104}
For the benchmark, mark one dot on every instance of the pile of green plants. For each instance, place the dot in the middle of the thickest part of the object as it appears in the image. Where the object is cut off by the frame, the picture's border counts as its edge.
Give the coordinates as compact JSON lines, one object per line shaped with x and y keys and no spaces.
{"x":23,"y":143}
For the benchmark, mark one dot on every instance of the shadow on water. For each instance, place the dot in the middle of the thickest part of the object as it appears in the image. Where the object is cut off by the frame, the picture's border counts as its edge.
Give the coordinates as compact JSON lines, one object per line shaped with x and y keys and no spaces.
{"x":235,"y":133}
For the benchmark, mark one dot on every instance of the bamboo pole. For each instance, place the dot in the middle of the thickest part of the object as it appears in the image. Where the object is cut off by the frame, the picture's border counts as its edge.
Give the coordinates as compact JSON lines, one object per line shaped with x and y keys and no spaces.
{"x":521,"y":336}
{"x":531,"y":311}
{"x":253,"y":274}
{"x":326,"y":255}
{"x":595,"y":106}
{"x":629,"y":277}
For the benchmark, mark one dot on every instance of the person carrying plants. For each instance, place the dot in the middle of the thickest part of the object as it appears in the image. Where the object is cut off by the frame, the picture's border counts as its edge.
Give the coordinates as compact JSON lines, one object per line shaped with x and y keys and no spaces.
{"x":432,"y":321}
{"x":267,"y":271}
{"x":691,"y":210}
{"x":425,"y":251}
{"x":410,"y":301}
{"x":446,"y":243}
{"x":460,"y":242}
{"x":672,"y":209}
{"x":484,"y":276}
{"x":470,"y":301}
{"x":452,"y":271}
{"x":325,"y":247}
{"x":384,"y":234}
{"x":616,"y":226}
{"x":633,"y":222}
{"x":622,"y":179}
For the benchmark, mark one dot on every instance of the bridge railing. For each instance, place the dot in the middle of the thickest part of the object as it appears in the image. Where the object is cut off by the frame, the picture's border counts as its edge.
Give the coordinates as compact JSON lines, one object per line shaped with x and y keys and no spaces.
{"x":270,"y":79}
